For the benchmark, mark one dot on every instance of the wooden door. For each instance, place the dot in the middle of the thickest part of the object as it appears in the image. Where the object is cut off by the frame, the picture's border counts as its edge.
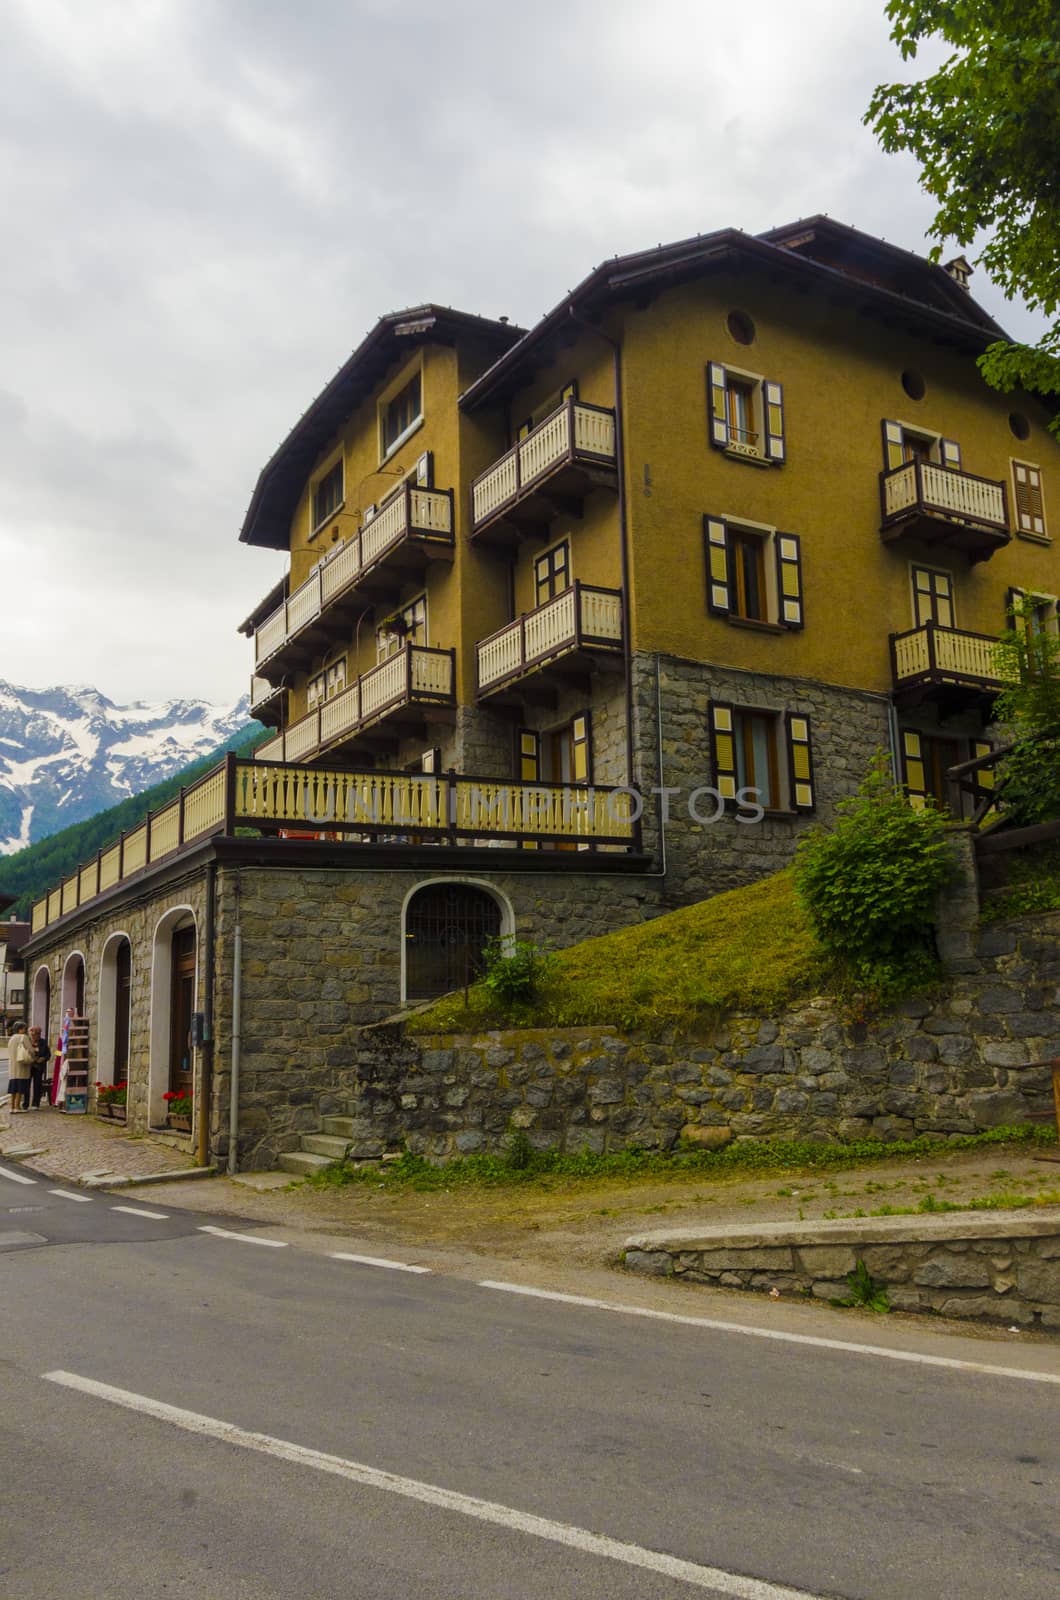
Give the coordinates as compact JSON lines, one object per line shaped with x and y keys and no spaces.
{"x":181,"y":1006}
{"x":122,"y":1011}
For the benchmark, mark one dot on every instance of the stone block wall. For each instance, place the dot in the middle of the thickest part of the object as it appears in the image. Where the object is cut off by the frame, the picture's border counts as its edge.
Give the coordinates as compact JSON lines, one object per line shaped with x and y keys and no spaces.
{"x":1001,"y":1268}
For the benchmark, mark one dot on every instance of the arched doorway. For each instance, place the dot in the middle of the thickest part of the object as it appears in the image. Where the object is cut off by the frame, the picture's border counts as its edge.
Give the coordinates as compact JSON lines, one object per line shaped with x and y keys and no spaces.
{"x":73,"y":996}
{"x":447,"y":927}
{"x":41,"y":1003}
{"x":115,"y":1010}
{"x":173,"y":986}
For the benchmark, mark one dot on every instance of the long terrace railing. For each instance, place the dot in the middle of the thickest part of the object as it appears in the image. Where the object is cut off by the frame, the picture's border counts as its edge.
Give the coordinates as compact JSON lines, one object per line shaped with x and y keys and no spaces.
{"x":374,"y":807}
{"x":423,"y":514}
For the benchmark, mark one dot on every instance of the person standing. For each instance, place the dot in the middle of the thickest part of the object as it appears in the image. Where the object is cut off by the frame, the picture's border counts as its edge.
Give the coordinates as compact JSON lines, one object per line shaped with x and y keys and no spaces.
{"x":20,"y":1057}
{"x":38,"y":1067}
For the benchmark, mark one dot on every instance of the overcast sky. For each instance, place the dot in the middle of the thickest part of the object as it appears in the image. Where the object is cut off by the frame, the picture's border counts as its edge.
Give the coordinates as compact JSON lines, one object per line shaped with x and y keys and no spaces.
{"x":207,"y":205}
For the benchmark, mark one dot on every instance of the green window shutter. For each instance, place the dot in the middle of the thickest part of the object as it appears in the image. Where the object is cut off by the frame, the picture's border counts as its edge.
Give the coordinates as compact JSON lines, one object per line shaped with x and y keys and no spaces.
{"x":719,"y":575}
{"x":800,"y":762}
{"x":893,"y":453}
{"x":581,"y":748}
{"x":914,"y":772}
{"x":789,"y":580}
{"x":719,"y":417}
{"x":773,"y":420}
{"x":950,"y":454}
{"x":723,"y":748}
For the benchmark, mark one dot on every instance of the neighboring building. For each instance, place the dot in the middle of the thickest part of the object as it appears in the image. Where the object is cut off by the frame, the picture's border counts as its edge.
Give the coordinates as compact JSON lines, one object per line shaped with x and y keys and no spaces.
{"x":13,"y":935}
{"x":735,"y":515}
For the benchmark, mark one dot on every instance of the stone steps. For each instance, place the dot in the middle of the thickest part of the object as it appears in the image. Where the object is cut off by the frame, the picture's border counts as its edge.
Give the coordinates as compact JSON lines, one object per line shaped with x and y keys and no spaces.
{"x":302,"y":1162}
{"x":325,"y":1144}
{"x":341,"y":1127}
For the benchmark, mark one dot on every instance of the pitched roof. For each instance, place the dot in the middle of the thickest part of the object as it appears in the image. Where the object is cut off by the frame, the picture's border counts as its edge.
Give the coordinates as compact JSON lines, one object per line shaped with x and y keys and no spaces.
{"x":281,"y":480}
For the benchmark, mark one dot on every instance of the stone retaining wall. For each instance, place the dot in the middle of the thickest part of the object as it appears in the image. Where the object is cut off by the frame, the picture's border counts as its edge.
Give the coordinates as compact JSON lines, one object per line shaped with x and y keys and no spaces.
{"x":973,"y":1057}
{"x":1003,"y":1268}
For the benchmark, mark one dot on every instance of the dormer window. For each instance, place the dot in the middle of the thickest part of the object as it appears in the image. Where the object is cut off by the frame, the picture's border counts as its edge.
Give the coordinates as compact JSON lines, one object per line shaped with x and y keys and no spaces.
{"x":327,"y":496}
{"x":401,"y":415}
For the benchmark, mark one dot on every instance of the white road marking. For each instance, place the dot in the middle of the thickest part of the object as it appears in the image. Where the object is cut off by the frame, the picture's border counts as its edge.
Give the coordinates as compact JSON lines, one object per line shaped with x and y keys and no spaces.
{"x":244,"y":1238}
{"x":137,"y":1211}
{"x":65,"y":1194}
{"x":377,"y":1261}
{"x":777,"y":1334}
{"x":16,"y":1177}
{"x":731,"y":1585}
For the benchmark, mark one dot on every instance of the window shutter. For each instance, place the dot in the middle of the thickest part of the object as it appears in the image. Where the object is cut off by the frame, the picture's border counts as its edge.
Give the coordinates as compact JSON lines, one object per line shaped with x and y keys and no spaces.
{"x":569,"y":391}
{"x":914,"y":773}
{"x":800,"y":762}
{"x":986,"y":776}
{"x":1012,"y":600}
{"x":950,"y":454}
{"x":723,"y":748}
{"x":431,"y":761}
{"x":581,"y":748}
{"x":773,"y":420}
{"x":1030,"y":505}
{"x":529,"y":755}
{"x":719,"y":577}
{"x":893,"y":454}
{"x":789,"y":579}
{"x":719,"y":419}
{"x":425,"y":470}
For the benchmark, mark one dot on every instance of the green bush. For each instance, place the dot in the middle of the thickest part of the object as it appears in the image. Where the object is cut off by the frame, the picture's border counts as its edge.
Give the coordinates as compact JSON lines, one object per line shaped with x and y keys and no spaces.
{"x":869,"y":884}
{"x":1027,"y":659}
{"x":513,"y":970}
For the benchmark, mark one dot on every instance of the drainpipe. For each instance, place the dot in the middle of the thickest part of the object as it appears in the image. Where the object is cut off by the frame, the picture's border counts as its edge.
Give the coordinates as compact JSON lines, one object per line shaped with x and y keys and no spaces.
{"x":202,"y":1152}
{"x":237,"y":1024}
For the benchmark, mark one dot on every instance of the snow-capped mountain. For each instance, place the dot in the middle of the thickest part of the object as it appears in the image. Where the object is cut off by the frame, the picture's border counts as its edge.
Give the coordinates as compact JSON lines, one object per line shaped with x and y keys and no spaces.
{"x":66,"y":753}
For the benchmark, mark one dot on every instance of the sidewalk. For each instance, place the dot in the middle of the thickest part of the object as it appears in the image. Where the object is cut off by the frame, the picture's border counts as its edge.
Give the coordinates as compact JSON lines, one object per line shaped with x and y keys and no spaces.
{"x":75,"y":1147}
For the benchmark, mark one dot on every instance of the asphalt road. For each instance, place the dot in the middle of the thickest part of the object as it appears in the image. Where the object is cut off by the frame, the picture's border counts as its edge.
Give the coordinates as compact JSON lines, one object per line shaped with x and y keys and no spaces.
{"x":200,"y":1412}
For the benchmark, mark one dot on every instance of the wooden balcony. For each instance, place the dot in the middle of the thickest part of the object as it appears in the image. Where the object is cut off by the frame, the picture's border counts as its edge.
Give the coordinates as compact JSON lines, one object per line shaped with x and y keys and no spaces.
{"x":944,"y":665}
{"x":411,"y":528}
{"x":944,"y":509}
{"x":553,"y":639}
{"x":550,"y":471}
{"x":266,"y":702}
{"x":396,"y":692}
{"x":328,"y":804}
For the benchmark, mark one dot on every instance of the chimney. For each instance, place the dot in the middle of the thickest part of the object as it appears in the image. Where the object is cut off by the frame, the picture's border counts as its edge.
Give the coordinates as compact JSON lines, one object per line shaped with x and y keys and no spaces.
{"x":959,"y":269}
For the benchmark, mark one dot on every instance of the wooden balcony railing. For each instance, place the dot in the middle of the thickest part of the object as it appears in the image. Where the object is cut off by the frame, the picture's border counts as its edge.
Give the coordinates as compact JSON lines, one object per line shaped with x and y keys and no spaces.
{"x":941,"y":505}
{"x":422,"y":515}
{"x":573,"y":433}
{"x":934,"y":656}
{"x":368,"y":807}
{"x":416,"y":675}
{"x":580,"y":617}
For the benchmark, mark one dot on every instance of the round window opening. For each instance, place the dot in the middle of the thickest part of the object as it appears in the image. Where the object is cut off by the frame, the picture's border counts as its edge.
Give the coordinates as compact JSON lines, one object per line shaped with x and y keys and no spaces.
{"x":740,"y":327}
{"x":913,"y":384}
{"x":1019,"y":425}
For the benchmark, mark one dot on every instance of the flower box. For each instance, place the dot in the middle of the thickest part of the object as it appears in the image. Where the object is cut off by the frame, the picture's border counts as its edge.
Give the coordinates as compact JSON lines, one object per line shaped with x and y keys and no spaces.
{"x":111,"y":1112}
{"x":178,"y":1124}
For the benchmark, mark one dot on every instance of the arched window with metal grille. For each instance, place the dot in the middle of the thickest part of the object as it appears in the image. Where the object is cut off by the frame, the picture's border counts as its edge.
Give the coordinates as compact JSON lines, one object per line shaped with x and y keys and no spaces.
{"x":447,"y":927}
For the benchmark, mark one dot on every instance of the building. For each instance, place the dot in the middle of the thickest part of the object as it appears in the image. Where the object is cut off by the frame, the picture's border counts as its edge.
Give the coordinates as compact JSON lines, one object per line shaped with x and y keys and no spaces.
{"x":581,"y":623}
{"x":13,"y":935}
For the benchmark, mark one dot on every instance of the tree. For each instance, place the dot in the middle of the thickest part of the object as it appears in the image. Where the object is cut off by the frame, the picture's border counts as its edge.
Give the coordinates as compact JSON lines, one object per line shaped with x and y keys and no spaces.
{"x":985,"y":129}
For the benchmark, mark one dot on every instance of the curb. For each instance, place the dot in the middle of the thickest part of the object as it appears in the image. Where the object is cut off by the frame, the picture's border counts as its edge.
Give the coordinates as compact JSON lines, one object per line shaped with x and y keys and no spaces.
{"x":106,"y":1181}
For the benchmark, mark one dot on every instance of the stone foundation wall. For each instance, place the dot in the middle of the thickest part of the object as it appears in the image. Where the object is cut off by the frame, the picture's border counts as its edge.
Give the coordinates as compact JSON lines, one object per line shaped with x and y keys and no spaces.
{"x":973,"y":1058}
{"x":1002,"y":1269}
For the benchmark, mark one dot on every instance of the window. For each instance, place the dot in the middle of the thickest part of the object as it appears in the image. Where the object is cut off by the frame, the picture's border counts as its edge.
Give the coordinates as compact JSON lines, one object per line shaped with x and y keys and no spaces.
{"x":326,"y":683}
{"x":902,"y":444}
{"x":557,"y":398}
{"x":327,"y":496}
{"x":336,"y":677}
{"x":447,"y":929}
{"x":407,"y":626}
{"x":932,"y":597}
{"x":746,"y":414}
{"x":551,"y":573}
{"x":401,"y":415}
{"x":754,"y":573}
{"x":927,"y":758}
{"x":768,"y":751}
{"x":1037,"y":612}
{"x":1028,"y":500}
{"x":315,"y":690}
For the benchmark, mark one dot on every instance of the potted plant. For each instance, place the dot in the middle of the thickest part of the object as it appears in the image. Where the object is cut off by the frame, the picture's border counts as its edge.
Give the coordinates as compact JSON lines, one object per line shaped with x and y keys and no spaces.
{"x":178,"y":1110}
{"x":111,"y":1100}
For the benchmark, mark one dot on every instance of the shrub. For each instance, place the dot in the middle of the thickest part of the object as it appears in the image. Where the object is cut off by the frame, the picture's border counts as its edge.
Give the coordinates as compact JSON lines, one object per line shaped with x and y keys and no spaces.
{"x":1027,"y":659}
{"x":869,"y":885}
{"x":515,"y":969}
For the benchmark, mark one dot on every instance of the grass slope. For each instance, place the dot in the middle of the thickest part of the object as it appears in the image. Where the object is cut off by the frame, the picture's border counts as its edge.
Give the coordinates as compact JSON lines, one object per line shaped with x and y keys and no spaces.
{"x":751,"y":948}
{"x":30,"y":873}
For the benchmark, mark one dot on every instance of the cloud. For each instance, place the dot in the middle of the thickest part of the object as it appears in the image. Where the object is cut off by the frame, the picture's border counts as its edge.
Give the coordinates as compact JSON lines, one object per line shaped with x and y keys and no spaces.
{"x":208,"y":206}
